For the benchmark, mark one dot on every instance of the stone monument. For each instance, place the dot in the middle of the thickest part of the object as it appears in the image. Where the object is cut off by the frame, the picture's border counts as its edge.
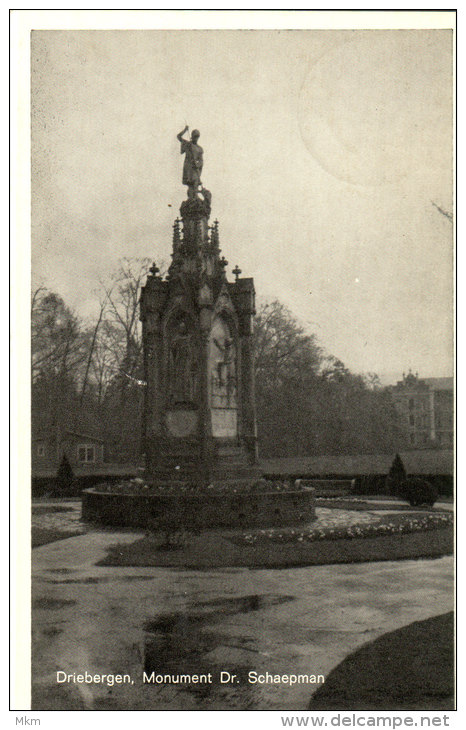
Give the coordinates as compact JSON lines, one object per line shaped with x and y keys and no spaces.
{"x":199,"y":426}
{"x":199,"y":416}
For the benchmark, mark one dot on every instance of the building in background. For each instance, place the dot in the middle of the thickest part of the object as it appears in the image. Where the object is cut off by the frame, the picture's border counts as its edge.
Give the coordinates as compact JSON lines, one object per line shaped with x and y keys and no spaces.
{"x":81,"y":450}
{"x":425,"y":411}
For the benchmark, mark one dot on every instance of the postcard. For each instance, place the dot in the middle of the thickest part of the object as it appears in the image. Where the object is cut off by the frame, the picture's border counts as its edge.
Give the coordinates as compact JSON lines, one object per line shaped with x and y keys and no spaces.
{"x":241,"y":471}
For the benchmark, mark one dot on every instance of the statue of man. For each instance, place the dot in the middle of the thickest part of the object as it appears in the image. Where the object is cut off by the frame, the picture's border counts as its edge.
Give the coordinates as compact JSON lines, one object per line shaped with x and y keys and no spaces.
{"x":193,"y":161}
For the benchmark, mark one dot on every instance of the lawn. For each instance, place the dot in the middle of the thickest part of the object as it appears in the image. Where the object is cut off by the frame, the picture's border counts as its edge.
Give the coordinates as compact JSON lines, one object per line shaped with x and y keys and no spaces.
{"x":43,"y":535}
{"x":361,"y":504}
{"x":391,"y":537}
{"x":408,"y":669}
{"x":52,"y":522}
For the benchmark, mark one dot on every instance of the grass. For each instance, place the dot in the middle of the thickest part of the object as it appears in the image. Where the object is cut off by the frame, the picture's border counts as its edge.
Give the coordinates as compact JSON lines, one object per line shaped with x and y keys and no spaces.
{"x":215,"y":549}
{"x":49,"y":508}
{"x":361,"y":504}
{"x":408,"y":669}
{"x":43,"y":535}
{"x":393,"y":498}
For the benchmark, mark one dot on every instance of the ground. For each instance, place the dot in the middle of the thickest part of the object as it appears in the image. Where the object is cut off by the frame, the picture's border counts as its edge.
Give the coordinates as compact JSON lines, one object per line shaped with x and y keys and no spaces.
{"x":306,"y":620}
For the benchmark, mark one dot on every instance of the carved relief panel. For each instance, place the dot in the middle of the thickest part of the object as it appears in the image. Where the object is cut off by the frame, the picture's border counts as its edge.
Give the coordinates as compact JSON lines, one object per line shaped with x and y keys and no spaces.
{"x":223,"y":379}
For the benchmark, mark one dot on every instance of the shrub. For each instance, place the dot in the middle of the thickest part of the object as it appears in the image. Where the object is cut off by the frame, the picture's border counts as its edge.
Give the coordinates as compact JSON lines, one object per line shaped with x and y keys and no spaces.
{"x":65,"y":476}
{"x":396,"y":476}
{"x":418,"y":492}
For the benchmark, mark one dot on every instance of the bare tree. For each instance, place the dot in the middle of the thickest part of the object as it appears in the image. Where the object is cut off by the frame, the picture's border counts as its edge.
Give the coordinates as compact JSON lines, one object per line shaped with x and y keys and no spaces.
{"x":58,"y":344}
{"x":121,"y":327}
{"x":116,"y":367}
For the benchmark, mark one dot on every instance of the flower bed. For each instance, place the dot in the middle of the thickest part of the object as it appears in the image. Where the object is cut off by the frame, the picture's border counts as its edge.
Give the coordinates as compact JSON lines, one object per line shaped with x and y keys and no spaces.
{"x":376,"y":526}
{"x":141,"y":487}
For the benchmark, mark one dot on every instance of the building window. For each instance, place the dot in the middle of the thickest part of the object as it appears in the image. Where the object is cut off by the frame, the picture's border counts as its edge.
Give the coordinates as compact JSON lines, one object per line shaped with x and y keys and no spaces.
{"x":411,"y":404}
{"x":411,"y":419}
{"x":40,"y":450}
{"x":411,"y":438}
{"x":86,"y":454}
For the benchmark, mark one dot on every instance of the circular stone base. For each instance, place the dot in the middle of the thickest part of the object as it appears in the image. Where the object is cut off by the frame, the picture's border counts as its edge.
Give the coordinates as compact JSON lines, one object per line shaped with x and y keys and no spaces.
{"x":263,"y":509}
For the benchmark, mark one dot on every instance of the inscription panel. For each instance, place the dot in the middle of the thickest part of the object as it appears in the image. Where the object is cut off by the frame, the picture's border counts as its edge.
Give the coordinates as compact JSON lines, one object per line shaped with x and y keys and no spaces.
{"x":224,"y":422}
{"x":181,"y":423}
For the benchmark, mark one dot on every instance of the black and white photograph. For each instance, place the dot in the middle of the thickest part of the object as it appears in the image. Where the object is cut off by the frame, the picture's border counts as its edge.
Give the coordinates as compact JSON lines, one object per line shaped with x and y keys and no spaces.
{"x":240,"y":440}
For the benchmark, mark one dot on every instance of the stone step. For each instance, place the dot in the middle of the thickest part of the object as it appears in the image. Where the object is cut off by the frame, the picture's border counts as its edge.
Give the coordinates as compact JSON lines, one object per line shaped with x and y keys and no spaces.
{"x":178,"y":458}
{"x":230,"y":450}
{"x":176,"y":445}
{"x":238,"y":458}
{"x":232,"y":459}
{"x":231,"y":456}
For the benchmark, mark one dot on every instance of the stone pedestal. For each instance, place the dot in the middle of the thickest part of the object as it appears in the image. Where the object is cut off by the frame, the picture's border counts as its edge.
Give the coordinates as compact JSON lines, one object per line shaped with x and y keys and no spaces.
{"x":199,"y":417}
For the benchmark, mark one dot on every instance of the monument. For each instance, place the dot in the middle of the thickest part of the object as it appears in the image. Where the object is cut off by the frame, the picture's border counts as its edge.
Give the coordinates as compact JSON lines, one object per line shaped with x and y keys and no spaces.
{"x":199,"y":416}
{"x":199,"y":425}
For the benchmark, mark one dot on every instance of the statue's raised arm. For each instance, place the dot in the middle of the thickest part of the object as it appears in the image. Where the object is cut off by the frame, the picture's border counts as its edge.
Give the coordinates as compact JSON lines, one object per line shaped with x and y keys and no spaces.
{"x":193,"y":161}
{"x":180,"y":135}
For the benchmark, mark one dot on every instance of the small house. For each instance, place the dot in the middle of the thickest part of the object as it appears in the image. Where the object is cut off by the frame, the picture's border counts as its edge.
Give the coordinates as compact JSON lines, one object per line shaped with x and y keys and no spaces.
{"x":82,"y":451}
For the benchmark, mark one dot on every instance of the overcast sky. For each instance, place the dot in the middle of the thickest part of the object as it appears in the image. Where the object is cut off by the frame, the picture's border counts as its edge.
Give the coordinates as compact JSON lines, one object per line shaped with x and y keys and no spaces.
{"x":323,"y":151}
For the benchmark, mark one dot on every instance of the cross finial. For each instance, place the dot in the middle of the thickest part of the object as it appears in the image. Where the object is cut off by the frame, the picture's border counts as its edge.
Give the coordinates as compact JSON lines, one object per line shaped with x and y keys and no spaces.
{"x":154,"y":269}
{"x":223,"y":262}
{"x":236,"y":271}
